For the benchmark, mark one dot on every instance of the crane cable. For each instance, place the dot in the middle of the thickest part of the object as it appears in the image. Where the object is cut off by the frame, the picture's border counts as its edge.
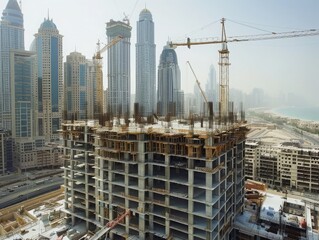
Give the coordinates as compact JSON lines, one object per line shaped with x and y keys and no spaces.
{"x":246,"y":25}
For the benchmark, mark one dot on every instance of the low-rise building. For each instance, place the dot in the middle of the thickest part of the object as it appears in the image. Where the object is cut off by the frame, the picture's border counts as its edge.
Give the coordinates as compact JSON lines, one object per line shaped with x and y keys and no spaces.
{"x":286,"y":165}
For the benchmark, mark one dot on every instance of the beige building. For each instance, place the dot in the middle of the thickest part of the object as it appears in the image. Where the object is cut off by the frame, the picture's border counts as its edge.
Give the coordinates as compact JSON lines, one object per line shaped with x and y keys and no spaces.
{"x":287,"y":165}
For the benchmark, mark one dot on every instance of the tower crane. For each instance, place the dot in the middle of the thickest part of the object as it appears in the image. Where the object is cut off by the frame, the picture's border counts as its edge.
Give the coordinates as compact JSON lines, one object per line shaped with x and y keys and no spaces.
{"x":224,"y":55}
{"x":99,"y":51}
{"x":97,"y":59}
{"x":198,"y":84}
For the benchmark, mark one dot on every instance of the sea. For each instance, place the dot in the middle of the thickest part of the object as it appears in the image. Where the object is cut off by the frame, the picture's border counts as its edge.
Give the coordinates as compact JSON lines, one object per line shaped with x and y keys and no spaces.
{"x":302,"y":113}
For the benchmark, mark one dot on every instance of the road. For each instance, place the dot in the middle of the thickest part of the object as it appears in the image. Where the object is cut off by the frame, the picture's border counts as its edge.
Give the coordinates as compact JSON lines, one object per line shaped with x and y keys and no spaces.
{"x":21,"y":191}
{"x":305,"y":135}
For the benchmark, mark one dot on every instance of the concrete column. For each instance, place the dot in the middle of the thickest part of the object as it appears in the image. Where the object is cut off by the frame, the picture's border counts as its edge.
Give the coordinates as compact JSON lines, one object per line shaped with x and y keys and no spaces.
{"x":190,"y":203}
{"x":141,"y":226}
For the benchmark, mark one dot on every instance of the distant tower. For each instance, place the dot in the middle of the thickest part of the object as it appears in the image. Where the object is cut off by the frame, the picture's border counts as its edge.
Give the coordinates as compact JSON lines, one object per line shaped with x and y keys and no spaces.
{"x":145,"y":64}
{"x":118,"y":66}
{"x":48,"y":45}
{"x":211,"y":86}
{"x":95,"y":95}
{"x":12,"y":38}
{"x":75,"y":86}
{"x":170,"y":98}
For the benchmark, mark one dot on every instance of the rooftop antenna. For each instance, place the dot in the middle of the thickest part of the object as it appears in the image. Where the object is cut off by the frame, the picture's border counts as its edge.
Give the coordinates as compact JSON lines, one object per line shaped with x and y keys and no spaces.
{"x":48,"y":14}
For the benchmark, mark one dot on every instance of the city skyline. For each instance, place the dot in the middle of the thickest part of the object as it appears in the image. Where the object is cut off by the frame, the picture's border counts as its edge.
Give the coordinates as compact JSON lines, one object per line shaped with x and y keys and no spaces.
{"x":288,"y":63}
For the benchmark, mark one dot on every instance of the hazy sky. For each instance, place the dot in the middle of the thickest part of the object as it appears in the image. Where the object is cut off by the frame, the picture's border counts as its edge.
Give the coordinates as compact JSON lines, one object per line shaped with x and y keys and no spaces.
{"x":285,"y":65}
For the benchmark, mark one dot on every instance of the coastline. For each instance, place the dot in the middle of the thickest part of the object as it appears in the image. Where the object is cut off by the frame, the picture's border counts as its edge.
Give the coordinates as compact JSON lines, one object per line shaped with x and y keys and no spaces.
{"x":309,"y":127}
{"x":304,"y":114}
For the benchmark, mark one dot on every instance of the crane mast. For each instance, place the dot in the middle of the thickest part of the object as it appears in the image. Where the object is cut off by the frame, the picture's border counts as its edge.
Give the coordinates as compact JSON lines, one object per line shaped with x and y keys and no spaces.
{"x":223,"y":75}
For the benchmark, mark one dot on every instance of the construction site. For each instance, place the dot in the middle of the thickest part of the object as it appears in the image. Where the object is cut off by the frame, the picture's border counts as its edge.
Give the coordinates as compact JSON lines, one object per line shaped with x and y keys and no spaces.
{"x":160,"y":177}
{"x":156,"y":181}
{"x":36,"y":218}
{"x":272,"y":215}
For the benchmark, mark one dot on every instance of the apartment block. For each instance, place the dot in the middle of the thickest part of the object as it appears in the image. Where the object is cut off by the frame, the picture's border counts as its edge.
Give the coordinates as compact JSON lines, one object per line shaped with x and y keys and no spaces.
{"x":288,"y":165}
{"x":162,"y":180}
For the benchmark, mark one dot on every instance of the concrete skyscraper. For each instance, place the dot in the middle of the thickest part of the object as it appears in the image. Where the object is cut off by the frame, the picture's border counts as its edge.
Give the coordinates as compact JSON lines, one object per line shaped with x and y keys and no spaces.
{"x":48,"y":46}
{"x":12,"y":38}
{"x":75,"y":86}
{"x":118,"y":67}
{"x":145,"y":64}
{"x":170,"y":97}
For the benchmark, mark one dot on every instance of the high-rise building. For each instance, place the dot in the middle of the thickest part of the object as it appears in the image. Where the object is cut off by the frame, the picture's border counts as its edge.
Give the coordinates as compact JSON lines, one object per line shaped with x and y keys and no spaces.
{"x":169,"y":91}
{"x":12,"y":38}
{"x":118,"y":66}
{"x":152,"y":182}
{"x":23,"y":98}
{"x":75,"y":86}
{"x":145,"y":64}
{"x":29,"y":150}
{"x":48,"y":46}
{"x":212,"y":86}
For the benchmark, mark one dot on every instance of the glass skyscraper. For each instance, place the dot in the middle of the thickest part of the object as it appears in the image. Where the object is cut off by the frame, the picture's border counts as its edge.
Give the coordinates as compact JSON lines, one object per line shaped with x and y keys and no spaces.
{"x":118,"y":67}
{"x":75,"y":86}
{"x":24,"y":101}
{"x":48,"y":46}
{"x":170,"y":97}
{"x":11,"y":38}
{"x":145,"y":64}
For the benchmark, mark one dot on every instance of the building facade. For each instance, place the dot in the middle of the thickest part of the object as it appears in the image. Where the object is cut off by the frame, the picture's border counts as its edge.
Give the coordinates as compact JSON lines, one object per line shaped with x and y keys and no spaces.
{"x":11,"y":38}
{"x":23,"y":98}
{"x":48,"y":46}
{"x":6,"y":152}
{"x":145,"y":64}
{"x":186,"y":184}
{"x":169,"y":93}
{"x":118,"y":66}
{"x":76,"y":86}
{"x":286,"y":165}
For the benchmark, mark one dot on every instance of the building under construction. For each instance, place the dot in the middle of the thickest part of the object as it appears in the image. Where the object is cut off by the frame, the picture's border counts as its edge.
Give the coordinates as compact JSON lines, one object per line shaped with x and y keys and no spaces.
{"x":158,"y":181}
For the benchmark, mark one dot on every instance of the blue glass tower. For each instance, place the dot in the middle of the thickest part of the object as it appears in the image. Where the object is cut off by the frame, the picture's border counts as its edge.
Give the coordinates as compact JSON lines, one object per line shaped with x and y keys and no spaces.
{"x":145,"y":64}
{"x":24,"y":102}
{"x":48,"y":46}
{"x":170,"y":97}
{"x":11,"y":38}
{"x":118,"y":66}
